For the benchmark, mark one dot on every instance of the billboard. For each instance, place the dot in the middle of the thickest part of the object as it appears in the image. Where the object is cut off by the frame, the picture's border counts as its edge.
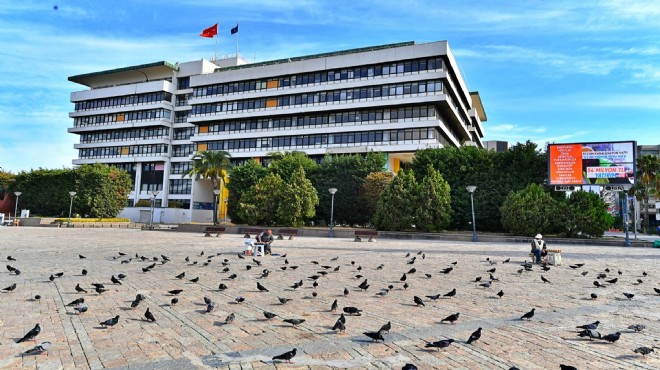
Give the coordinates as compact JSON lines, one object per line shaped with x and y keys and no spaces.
{"x":592,"y":163}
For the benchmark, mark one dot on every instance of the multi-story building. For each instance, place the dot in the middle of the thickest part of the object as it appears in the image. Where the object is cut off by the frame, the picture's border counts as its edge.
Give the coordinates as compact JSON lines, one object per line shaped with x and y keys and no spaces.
{"x":496,"y":145}
{"x":653,"y":211}
{"x":150,"y":119}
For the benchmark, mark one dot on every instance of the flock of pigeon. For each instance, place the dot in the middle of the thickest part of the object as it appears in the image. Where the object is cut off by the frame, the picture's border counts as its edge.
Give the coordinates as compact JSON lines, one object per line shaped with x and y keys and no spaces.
{"x":230,"y":266}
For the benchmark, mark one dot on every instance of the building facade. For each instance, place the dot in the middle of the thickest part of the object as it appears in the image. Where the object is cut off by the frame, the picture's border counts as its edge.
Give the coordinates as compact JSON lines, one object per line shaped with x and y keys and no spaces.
{"x":151,"y":119}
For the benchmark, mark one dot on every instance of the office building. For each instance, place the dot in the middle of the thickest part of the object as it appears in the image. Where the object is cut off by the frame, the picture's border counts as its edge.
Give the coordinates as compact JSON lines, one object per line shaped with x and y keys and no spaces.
{"x":150,"y":119}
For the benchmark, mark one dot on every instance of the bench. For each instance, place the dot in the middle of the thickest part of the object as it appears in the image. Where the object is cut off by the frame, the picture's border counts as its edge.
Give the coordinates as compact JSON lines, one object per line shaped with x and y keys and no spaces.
{"x":553,"y":257}
{"x":287,"y":232}
{"x":249,"y":230}
{"x":218,"y":230}
{"x":370,"y":233}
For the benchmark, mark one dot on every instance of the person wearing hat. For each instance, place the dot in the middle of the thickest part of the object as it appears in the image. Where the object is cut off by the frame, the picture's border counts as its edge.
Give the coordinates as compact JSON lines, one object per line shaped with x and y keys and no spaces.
{"x":538,"y":247}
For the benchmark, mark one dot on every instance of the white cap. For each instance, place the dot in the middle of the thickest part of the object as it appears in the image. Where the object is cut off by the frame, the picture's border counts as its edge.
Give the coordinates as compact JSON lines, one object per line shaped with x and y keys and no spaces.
{"x":539,"y":236}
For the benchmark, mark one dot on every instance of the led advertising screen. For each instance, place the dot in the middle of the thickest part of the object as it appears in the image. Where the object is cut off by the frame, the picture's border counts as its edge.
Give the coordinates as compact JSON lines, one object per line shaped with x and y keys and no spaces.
{"x":592,"y":163}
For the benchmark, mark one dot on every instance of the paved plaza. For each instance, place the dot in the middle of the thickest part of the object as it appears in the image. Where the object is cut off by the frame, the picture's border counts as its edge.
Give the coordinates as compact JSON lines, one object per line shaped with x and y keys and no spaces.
{"x":184,"y":336}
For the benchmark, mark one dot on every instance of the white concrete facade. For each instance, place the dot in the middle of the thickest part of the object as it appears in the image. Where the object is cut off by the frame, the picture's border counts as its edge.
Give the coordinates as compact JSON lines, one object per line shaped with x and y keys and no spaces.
{"x":150,"y":119}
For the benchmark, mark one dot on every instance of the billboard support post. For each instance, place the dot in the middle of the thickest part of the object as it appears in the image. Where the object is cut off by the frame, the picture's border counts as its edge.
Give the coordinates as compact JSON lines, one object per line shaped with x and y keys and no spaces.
{"x":626,"y":217}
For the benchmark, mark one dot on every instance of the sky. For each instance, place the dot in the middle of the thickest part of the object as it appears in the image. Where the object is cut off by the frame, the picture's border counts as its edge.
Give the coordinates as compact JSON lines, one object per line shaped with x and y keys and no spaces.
{"x":548,"y":71}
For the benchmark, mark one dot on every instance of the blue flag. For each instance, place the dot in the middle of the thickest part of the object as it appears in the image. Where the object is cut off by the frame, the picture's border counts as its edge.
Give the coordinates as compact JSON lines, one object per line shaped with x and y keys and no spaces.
{"x":234,"y":30}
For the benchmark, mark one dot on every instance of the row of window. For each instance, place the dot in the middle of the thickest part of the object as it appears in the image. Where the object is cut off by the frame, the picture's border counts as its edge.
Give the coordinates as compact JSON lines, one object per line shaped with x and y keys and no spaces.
{"x":109,"y":119}
{"x":180,"y":168}
{"x":183,"y":133}
{"x":118,"y":101}
{"x":181,"y":116}
{"x":182,"y":150}
{"x":123,"y":135}
{"x":180,"y":186}
{"x":151,"y":187}
{"x":116,"y":151}
{"x":319,"y":140}
{"x":310,"y":121}
{"x":370,"y":71}
{"x":342,"y":95}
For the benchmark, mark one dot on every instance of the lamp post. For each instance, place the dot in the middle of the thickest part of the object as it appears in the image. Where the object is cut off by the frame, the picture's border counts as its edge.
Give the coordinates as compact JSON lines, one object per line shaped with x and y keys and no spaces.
{"x":154,"y":194}
{"x":17,"y":194}
{"x":471,"y":189}
{"x":224,"y":217}
{"x":71,"y":194}
{"x":216,"y":192}
{"x":332,"y":210}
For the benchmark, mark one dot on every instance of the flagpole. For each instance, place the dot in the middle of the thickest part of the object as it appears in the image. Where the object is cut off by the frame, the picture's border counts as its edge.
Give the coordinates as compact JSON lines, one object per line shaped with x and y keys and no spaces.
{"x":237,"y":23}
{"x":217,"y":36}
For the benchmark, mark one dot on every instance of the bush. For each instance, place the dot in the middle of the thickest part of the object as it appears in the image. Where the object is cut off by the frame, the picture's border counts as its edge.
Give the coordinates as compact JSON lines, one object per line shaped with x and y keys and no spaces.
{"x":396,"y":206}
{"x":143,"y":203}
{"x":88,"y":220}
{"x":530,"y":211}
{"x":585,"y":214}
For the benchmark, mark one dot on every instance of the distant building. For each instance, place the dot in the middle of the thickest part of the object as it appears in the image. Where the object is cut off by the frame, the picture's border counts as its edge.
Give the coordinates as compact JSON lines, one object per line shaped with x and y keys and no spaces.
{"x":150,"y":119}
{"x":654,"y":203}
{"x":498,"y":146}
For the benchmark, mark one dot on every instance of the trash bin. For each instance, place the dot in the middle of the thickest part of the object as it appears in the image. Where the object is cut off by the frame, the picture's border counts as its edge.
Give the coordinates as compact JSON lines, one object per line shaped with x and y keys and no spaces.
{"x":656,"y":244}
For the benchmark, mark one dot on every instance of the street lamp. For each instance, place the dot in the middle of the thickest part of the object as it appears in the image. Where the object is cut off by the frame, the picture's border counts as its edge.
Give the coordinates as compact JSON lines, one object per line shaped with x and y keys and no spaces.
{"x":471,"y":189}
{"x":332,"y":210}
{"x":17,"y":194}
{"x":215,"y":206}
{"x":71,"y":194}
{"x":224,"y":216}
{"x":153,"y":203}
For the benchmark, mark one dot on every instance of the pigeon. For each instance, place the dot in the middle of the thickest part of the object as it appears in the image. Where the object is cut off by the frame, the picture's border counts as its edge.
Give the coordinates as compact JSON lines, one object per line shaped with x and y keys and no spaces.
{"x":507,"y":260}
{"x":590,"y":333}
{"x":210,"y":307}
{"x":628,"y":295}
{"x":10,"y":258}
{"x":115,"y":280}
{"x":261,"y":287}
{"x":567,"y":367}
{"x":451,"y":318}
{"x":345,"y":292}
{"x":639,"y":281}
{"x":181,"y":275}
{"x":428,"y":276}
{"x":37,"y":297}
{"x":137,"y":301}
{"x":612,"y":337}
{"x":353,"y":311}
{"x":121,"y":276}
{"x":412,"y":271}
{"x":233,"y":276}
{"x":544,"y":279}
{"x":284,"y":300}
{"x":59,"y":274}
{"x":447,"y":270}
{"x":316,"y":284}
{"x":79,"y":289}
{"x":637,"y":327}
{"x":545,"y":268}
{"x":31,"y":334}
{"x":418,"y":301}
{"x":486,"y":284}
{"x":248,"y":267}
{"x":599,"y":285}
{"x":269,"y":315}
{"x":643,"y":350}
{"x":222,"y":287}
{"x":613,"y":281}
{"x":376,"y":336}
{"x":10,"y":288}
{"x":644,"y":273}
{"x":149,"y":316}
{"x":528,"y":315}
{"x":207,"y":300}
{"x":175,"y":291}
{"x":405,"y":286}
{"x":451,"y":294}
{"x":334,"y":306}
{"x":240,"y":299}
{"x":386,"y":327}
{"x":474,"y":336}
{"x":110,"y":322}
{"x":230,"y":318}
{"x":594,"y":295}
{"x":477,"y":279}
{"x":195,"y":280}
{"x":41,"y":349}
{"x":76,"y":302}
{"x":174,"y":301}
{"x":592,"y":326}
{"x":51,"y":278}
{"x":492,"y":271}
{"x":433,"y":297}
{"x":500,"y":293}
{"x":383,"y":292}
{"x":364,"y":285}
{"x":294,"y":322}
{"x":81,"y":257}
{"x":83,"y":272}
{"x":286,"y":356}
{"x":403,"y":278}
{"x":339,"y":325}
{"x":439,"y":344}
{"x":100,"y":290}
{"x":409,"y":367}
{"x":240,"y":257}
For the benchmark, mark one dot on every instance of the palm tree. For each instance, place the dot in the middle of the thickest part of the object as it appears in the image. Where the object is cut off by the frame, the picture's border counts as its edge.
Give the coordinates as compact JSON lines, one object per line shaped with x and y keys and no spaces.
{"x":213,"y":165}
{"x":648,"y":169}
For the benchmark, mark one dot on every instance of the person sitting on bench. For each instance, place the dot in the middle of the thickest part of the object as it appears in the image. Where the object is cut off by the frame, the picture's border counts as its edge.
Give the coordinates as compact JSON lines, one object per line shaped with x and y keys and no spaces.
{"x":266,"y":238}
{"x":538,"y":246}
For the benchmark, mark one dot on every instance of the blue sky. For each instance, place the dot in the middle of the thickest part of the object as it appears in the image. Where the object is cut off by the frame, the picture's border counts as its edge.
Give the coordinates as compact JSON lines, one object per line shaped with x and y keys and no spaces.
{"x":547,"y":71}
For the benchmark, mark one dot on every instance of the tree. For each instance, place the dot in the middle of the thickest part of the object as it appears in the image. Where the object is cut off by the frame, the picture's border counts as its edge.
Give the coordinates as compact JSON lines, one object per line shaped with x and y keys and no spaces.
{"x":286,"y":164}
{"x":396,"y":206}
{"x":242,"y":179}
{"x":584,"y":213}
{"x":213,"y":165}
{"x":648,"y":169}
{"x":374,"y":185}
{"x":298,"y":200}
{"x":258,"y":205}
{"x":530,"y":211}
{"x":433,"y":211}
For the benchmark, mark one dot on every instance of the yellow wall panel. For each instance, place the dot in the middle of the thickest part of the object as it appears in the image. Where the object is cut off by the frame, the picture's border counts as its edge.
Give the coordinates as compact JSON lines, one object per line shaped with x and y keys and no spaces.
{"x":272,"y":84}
{"x":124,"y":150}
{"x":271,"y":103}
{"x":203,"y":129}
{"x":396,"y":164}
{"x":201,"y":147}
{"x":120,"y":117}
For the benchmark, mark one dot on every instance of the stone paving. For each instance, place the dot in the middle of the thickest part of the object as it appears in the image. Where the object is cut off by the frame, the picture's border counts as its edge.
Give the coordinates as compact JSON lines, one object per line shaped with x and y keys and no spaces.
{"x":185,"y":337}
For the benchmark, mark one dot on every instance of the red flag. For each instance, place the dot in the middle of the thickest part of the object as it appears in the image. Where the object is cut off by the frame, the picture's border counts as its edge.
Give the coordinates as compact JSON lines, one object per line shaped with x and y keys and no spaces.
{"x":210,"y":32}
